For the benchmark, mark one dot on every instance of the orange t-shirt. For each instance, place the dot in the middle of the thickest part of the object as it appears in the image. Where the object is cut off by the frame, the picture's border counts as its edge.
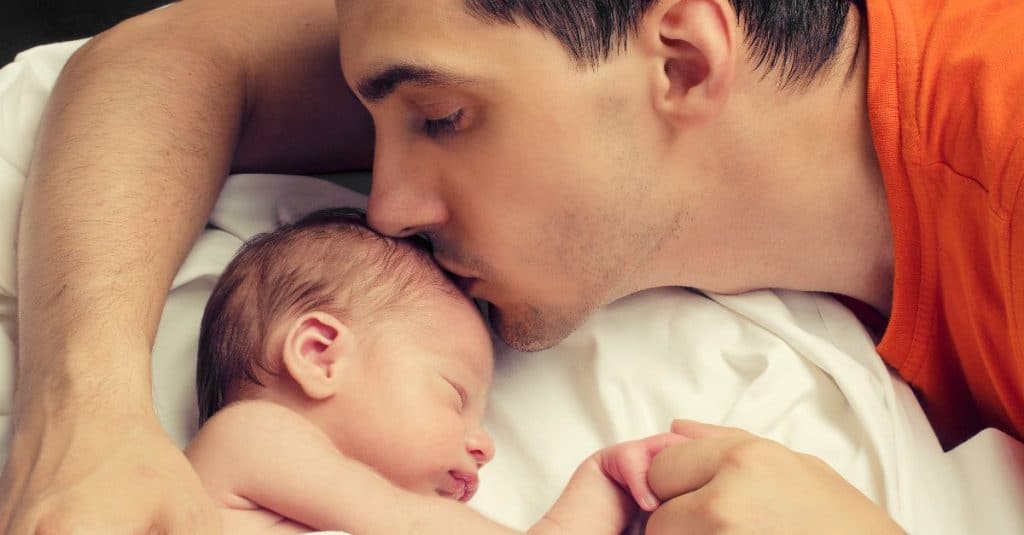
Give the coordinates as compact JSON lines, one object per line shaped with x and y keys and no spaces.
{"x":946,"y":102}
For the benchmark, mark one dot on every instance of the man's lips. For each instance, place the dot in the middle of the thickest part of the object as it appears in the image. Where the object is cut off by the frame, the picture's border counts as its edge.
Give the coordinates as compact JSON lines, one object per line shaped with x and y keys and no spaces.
{"x":465,"y":284}
{"x":460,"y":278}
{"x":456,"y":271}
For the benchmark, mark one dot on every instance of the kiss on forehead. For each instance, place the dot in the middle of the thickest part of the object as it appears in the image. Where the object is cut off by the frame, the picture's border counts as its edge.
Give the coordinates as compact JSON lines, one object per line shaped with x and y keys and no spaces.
{"x":560,"y":156}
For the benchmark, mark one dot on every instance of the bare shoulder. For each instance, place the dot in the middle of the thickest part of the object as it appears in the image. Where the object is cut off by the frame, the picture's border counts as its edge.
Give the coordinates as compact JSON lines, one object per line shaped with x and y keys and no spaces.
{"x":232,"y":17}
{"x":243,"y":423}
{"x":301,"y":117}
{"x":246,"y":29}
{"x":282,"y":55}
{"x":231,"y":433}
{"x":243,"y":439}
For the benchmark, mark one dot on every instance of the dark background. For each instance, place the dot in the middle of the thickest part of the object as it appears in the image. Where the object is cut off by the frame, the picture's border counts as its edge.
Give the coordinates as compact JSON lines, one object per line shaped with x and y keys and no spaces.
{"x":27,"y":23}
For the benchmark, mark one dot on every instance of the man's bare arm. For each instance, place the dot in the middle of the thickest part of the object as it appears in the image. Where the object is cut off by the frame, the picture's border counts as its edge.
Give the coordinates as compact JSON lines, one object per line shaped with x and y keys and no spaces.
{"x":142,"y":127}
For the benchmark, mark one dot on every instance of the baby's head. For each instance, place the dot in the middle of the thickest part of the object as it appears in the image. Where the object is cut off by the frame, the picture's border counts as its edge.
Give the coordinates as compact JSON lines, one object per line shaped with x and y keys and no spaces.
{"x":362,"y":334}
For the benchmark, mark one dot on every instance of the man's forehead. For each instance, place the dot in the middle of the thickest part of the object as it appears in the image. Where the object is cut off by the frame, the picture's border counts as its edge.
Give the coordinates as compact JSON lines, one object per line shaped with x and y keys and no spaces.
{"x":380,"y":25}
{"x":361,"y":12}
{"x":389,"y":43}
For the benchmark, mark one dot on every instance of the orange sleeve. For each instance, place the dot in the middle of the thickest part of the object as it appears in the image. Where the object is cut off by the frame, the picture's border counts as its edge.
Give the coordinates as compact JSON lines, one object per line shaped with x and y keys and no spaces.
{"x":1016,"y":283}
{"x":946,"y":97}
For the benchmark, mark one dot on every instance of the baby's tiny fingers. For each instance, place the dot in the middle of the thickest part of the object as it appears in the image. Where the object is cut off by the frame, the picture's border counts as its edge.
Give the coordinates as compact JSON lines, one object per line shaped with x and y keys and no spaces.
{"x":629,"y":466}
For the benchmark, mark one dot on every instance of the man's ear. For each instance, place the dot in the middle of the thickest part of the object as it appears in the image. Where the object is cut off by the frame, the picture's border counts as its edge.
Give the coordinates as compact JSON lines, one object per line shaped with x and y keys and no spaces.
{"x":315,"y":351}
{"x":693,"y":45}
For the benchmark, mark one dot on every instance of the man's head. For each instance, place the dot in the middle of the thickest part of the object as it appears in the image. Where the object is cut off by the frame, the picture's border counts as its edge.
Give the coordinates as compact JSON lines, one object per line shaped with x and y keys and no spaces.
{"x":797,"y":37}
{"x":551,"y":149}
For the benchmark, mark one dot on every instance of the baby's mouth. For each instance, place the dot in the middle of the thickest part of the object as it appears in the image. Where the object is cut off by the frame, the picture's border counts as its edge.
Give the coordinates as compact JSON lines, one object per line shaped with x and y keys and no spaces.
{"x":463,"y":486}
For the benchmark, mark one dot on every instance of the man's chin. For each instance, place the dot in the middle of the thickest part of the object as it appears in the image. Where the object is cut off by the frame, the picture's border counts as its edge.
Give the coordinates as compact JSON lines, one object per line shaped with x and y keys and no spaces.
{"x":527,"y":329}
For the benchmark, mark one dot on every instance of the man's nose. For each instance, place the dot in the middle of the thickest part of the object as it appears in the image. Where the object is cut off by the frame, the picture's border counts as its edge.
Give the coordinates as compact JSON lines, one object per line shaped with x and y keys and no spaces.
{"x":480,"y":446}
{"x":405,"y":197}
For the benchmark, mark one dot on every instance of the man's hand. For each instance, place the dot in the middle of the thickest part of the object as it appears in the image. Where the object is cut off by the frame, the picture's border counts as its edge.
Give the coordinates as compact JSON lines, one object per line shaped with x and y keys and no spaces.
{"x":112,"y":474}
{"x":726,"y":480}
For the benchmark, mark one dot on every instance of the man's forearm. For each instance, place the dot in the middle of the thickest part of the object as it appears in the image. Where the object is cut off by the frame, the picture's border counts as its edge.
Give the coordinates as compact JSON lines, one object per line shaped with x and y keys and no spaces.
{"x":131,"y":153}
{"x":142,"y":128}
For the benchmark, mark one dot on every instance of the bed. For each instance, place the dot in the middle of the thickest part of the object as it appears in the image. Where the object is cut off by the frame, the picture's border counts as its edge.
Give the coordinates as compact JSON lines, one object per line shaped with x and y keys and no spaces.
{"x":794,"y":367}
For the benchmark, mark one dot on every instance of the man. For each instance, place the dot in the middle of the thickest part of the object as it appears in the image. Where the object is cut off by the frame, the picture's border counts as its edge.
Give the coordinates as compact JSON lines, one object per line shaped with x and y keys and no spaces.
{"x":560,"y":155}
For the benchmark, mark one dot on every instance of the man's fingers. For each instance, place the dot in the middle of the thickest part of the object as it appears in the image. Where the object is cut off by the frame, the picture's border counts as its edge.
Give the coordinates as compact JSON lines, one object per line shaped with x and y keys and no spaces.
{"x":11,"y":488}
{"x":659,"y":442}
{"x":689,"y":466}
{"x":7,"y":505}
{"x":683,"y":514}
{"x":694,"y":429}
{"x":198,"y":518}
{"x":638,"y":479}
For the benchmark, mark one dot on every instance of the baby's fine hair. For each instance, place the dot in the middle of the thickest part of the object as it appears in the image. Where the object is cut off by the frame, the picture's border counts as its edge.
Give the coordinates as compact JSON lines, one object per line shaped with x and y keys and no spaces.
{"x":328,"y":261}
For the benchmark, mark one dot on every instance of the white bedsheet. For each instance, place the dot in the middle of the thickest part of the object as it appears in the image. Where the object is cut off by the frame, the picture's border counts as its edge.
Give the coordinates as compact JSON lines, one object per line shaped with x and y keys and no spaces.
{"x":792,"y":366}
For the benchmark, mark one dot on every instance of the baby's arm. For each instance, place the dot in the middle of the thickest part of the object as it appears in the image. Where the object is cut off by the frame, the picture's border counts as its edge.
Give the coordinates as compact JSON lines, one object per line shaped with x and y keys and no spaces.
{"x":265,"y":454}
{"x":606,"y":489}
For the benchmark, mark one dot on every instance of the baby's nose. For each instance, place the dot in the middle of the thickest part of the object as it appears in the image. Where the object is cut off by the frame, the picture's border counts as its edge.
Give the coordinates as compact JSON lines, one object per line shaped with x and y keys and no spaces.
{"x":480,"y":446}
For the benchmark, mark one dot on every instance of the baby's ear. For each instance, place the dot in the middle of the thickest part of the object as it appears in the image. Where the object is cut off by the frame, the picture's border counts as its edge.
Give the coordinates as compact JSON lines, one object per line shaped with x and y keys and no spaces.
{"x":315,"y":349}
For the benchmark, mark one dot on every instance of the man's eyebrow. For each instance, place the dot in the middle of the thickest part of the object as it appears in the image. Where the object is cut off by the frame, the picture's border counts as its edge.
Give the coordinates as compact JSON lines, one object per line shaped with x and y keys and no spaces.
{"x":379,"y":86}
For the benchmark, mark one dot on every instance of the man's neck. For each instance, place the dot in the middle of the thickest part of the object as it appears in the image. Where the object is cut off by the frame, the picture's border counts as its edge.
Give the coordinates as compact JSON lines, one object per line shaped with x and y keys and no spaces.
{"x":809,"y":211}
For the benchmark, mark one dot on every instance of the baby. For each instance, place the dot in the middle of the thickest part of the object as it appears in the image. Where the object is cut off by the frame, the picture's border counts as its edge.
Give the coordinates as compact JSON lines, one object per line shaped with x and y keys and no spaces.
{"x":342,"y":382}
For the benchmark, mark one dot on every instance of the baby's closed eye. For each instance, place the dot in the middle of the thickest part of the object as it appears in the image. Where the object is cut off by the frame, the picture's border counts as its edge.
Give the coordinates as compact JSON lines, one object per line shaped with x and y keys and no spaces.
{"x":460,"y":394}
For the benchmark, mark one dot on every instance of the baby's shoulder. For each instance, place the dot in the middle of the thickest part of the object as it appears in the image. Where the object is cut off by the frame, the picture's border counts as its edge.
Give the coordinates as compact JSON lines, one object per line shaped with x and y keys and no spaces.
{"x":243,"y":424}
{"x":254,"y":411}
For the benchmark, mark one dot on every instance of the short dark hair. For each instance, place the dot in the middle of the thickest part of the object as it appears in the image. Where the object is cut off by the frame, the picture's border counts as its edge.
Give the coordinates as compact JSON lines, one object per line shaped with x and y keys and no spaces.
{"x":330,"y":261}
{"x":798,"y":38}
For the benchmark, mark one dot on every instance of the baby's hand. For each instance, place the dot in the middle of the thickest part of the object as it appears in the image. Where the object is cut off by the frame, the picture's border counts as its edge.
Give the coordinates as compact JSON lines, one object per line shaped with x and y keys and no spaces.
{"x":627,"y":464}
